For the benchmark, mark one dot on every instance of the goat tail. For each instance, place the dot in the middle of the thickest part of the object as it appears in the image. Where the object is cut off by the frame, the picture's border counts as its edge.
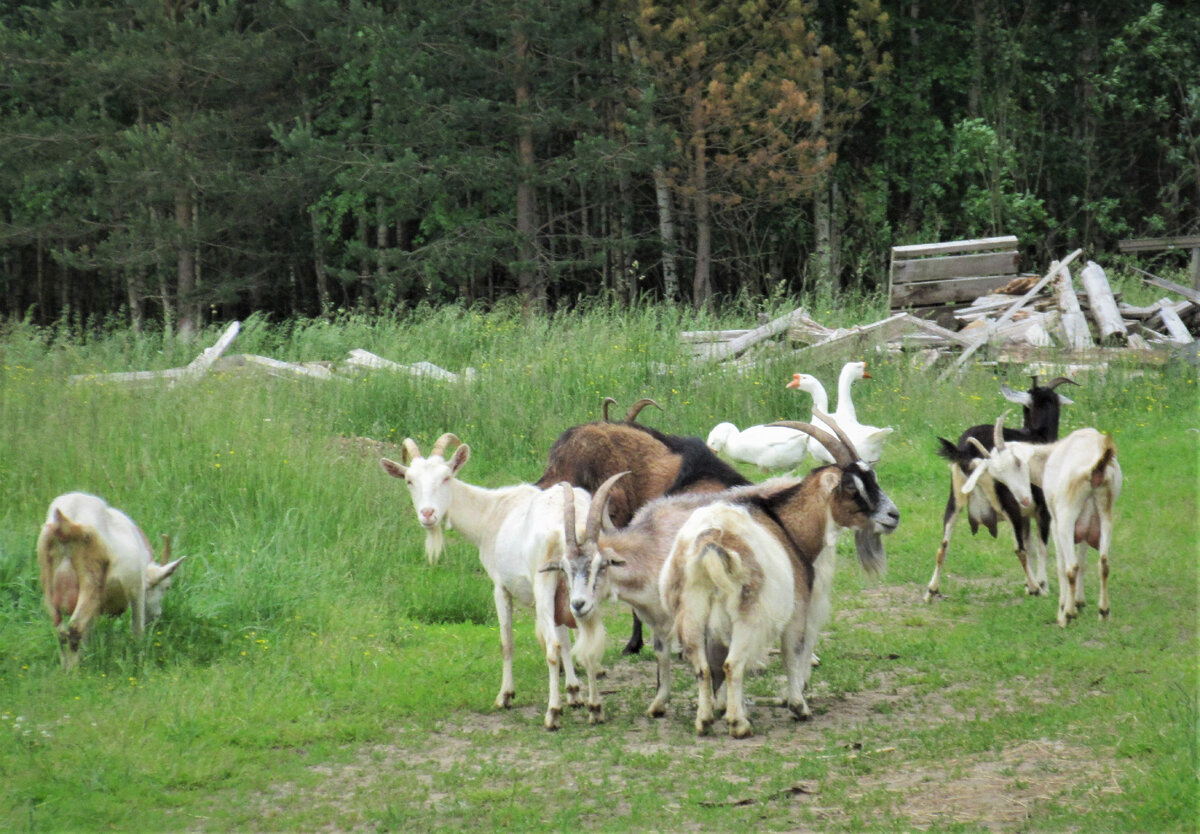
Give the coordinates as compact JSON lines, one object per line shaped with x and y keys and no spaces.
{"x":1107,"y":456}
{"x":720,"y":566}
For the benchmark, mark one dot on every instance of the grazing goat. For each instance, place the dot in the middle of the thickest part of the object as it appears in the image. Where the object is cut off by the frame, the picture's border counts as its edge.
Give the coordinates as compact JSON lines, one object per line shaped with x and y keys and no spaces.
{"x":1041,"y":406}
{"x":94,"y":560}
{"x":1081,"y":481}
{"x":804,"y":515}
{"x":517,"y":530}
{"x":659,"y":464}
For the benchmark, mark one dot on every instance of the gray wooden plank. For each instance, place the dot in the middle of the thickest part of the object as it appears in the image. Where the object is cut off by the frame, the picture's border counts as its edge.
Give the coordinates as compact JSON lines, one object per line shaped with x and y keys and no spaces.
{"x":952,"y":291}
{"x":956,"y":266}
{"x":951,"y":247}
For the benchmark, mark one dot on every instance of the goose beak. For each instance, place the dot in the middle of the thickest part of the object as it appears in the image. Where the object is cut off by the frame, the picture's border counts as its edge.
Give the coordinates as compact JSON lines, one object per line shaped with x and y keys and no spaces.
{"x":795,"y":383}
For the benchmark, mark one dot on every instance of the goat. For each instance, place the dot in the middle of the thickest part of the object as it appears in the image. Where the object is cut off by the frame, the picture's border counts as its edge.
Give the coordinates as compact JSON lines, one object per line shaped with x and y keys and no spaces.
{"x":517,"y":529}
{"x":660,"y":464}
{"x":805,"y":515}
{"x":94,"y":560}
{"x":730,"y":583}
{"x":1041,"y":406}
{"x":1081,"y":481}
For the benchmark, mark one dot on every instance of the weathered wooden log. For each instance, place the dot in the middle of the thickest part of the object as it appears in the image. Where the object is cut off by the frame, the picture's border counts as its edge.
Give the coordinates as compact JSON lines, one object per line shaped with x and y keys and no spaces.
{"x":1104,"y":307}
{"x":1075,"y":329}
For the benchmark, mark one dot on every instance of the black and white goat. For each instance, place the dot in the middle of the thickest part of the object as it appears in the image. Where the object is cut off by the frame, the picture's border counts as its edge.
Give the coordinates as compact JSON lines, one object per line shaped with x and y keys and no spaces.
{"x":803,"y":518}
{"x":1041,"y":406}
{"x":1081,"y":481}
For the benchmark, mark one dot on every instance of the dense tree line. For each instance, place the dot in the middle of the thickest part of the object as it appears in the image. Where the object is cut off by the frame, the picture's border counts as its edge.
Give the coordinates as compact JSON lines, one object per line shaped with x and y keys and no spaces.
{"x":180,"y":160}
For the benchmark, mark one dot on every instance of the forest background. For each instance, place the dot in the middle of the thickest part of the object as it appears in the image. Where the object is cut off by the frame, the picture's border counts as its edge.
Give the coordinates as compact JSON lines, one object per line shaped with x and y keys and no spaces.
{"x":169,"y":163}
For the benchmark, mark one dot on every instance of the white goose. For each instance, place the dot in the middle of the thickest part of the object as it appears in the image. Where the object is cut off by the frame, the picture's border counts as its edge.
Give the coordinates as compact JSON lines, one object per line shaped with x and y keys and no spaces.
{"x":811,"y":385}
{"x":767,"y":447}
{"x":868,"y":440}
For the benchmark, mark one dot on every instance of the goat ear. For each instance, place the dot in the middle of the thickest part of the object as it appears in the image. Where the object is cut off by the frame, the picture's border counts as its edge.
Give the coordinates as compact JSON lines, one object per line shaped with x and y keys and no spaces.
{"x":461,"y":454}
{"x":1063,"y":399}
{"x":976,"y":474}
{"x":156,"y":573}
{"x":1019,"y":397}
{"x":396,"y":470}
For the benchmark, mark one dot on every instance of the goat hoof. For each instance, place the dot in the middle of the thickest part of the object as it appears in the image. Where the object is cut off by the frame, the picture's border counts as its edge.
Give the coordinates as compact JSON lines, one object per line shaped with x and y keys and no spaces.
{"x":703,"y":726}
{"x":932,"y":593}
{"x":595,"y":713}
{"x":1104,"y":613}
{"x":741,"y":729}
{"x":504,"y":700}
{"x":552,"y":717}
{"x":630,"y":648}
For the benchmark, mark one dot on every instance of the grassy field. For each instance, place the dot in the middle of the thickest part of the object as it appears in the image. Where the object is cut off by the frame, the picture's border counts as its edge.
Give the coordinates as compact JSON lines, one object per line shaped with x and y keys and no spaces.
{"x":312,"y":672}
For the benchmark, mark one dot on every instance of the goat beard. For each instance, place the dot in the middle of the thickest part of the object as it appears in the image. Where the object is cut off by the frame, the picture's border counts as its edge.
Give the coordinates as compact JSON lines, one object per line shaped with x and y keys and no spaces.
{"x":871,"y":554}
{"x":435,"y":543}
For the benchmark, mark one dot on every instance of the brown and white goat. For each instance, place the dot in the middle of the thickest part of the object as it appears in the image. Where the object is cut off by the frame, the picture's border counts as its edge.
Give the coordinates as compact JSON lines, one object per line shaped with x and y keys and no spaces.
{"x":805,"y":515}
{"x":517,"y":530}
{"x":659,"y":464}
{"x":94,"y":560}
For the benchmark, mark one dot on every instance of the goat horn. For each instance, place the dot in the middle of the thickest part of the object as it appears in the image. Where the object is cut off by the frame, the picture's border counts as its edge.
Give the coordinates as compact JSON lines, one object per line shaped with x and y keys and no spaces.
{"x":829,"y":421}
{"x":983,"y":450}
{"x":599,"y":503}
{"x":166,"y":554}
{"x":569,"y":518}
{"x":1059,"y":380}
{"x":998,"y":433}
{"x":411,"y":450}
{"x":836,"y":448}
{"x":604,"y":407}
{"x":636,"y":408}
{"x":439,"y":448}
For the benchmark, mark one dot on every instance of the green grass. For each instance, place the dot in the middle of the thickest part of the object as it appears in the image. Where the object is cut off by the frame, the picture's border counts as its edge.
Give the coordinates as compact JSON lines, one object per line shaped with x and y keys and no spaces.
{"x":312,"y":671}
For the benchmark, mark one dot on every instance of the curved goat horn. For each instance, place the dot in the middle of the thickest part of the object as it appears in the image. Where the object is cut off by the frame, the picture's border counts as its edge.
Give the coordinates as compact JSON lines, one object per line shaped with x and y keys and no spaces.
{"x":829,"y":421}
{"x":604,"y":407}
{"x":569,"y":518}
{"x":636,"y":408}
{"x":1059,"y":380}
{"x":998,"y":433}
{"x":166,"y":554}
{"x":836,"y":448}
{"x":599,"y":503}
{"x":411,"y":450}
{"x":439,"y":448}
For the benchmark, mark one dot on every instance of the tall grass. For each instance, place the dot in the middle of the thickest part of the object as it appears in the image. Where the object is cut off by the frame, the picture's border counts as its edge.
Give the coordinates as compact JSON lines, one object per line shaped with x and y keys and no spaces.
{"x":306,"y":624}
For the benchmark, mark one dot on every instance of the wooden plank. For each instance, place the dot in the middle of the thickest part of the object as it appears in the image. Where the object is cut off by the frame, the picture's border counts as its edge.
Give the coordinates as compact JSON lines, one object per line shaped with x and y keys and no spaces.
{"x":858,"y":340}
{"x":200,"y":365}
{"x":1157,"y":244}
{"x":929,"y":293}
{"x":1020,"y":302}
{"x":702,"y":336}
{"x":916,"y":250}
{"x":1103,"y":305}
{"x":1180,"y":335}
{"x":194,"y":370}
{"x":1074,"y":323}
{"x":956,"y":266}
{"x":733,"y":347}
{"x":1164,"y":284}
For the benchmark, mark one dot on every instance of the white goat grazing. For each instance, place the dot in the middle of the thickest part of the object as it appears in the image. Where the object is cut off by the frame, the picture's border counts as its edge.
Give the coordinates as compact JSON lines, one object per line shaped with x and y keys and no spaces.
{"x":94,"y":560}
{"x":1081,"y":481}
{"x":805,"y":515}
{"x":517,"y":529}
{"x":730,"y":582}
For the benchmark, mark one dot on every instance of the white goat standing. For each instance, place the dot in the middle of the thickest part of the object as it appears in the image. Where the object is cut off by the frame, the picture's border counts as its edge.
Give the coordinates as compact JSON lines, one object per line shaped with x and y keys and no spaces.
{"x":730,"y":583}
{"x":1081,"y":481}
{"x":517,"y":530}
{"x":94,"y":560}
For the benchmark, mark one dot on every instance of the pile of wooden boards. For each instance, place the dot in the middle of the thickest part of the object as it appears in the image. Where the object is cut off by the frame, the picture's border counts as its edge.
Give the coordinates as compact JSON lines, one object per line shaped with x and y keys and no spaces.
{"x":1030,"y":319}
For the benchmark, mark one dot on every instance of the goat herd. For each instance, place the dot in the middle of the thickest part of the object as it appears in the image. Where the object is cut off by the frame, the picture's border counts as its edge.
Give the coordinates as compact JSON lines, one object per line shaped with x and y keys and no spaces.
{"x":714,"y":564}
